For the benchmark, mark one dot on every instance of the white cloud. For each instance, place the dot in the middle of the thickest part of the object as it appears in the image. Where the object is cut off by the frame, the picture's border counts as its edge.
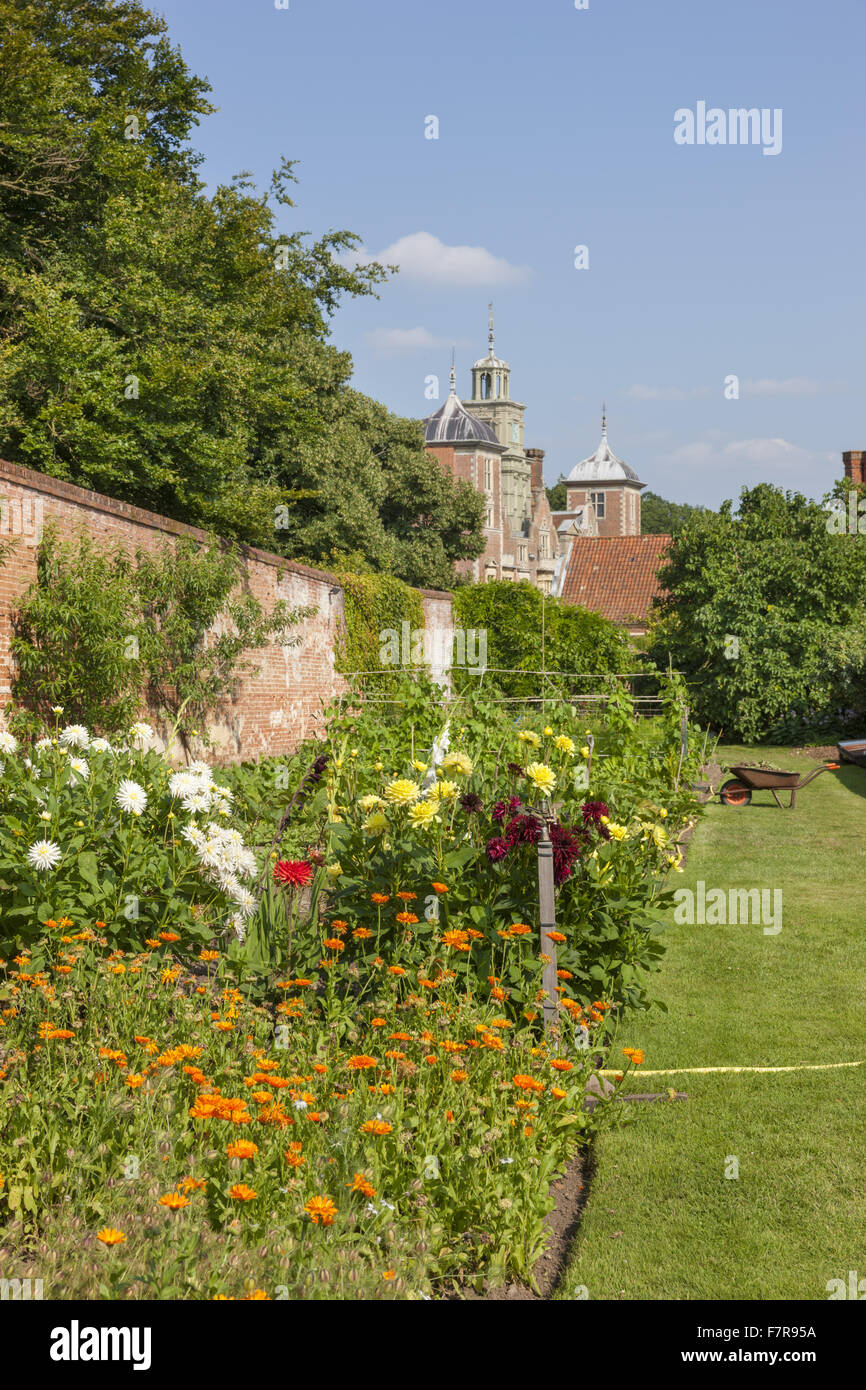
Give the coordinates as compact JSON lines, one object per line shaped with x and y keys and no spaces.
{"x":666,"y":393}
{"x":791,"y":386}
{"x":389,"y":341}
{"x":422,"y":256}
{"x":717,"y":470}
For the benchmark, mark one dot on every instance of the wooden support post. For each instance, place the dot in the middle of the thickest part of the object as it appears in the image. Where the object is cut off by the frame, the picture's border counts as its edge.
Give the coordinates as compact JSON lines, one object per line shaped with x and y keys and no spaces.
{"x":547,"y":917}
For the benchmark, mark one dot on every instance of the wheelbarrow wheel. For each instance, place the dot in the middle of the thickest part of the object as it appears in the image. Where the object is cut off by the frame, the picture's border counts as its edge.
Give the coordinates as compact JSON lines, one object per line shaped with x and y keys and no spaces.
{"x":734,"y":793}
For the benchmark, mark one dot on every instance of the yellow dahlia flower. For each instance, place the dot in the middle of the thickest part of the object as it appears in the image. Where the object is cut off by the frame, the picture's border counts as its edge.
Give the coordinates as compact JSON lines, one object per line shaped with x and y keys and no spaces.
{"x":368,"y":802}
{"x":402,"y":792}
{"x":422,"y":813}
{"x":527,"y":736}
{"x":564,"y":743}
{"x":617,"y":832}
{"x":541,"y":776}
{"x":376,"y":824}
{"x":443,"y":791}
{"x":457,"y":762}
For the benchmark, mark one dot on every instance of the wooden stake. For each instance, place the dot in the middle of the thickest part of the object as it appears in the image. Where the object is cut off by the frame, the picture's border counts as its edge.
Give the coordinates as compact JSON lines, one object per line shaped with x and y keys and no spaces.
{"x":547,"y":917}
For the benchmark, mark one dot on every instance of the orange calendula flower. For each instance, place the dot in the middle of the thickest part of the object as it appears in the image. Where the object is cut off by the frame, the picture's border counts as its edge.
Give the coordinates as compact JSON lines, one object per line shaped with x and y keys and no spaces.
{"x":406,"y":897}
{"x":560,"y":1064}
{"x":243,"y":1148}
{"x":241,"y":1193}
{"x":134,"y":1080}
{"x":333,"y":943}
{"x":380,"y":898}
{"x":174,"y":1201}
{"x":192,"y":1184}
{"x":361,"y":1063}
{"x":459,"y":1076}
{"x":556,"y":936}
{"x":457,"y":940}
{"x":321,"y":1210}
{"x":208,"y":955}
{"x":396,"y":970}
{"x":439,"y":887}
{"x":558,"y":1093}
{"x":361,"y":1184}
{"x":294,"y":1160}
{"x":527,"y":1083}
{"x":169,"y":936}
{"x":408,"y":918}
{"x":378,"y":1127}
{"x":109,"y":1236}
{"x":362,"y":933}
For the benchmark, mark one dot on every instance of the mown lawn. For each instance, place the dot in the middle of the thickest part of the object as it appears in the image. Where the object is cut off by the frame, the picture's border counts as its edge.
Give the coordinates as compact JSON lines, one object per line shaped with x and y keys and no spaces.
{"x":663,"y":1221}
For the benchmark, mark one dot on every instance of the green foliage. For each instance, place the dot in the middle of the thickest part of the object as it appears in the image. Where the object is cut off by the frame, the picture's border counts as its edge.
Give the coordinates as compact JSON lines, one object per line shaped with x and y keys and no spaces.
{"x":661,"y":518}
{"x":557,"y":496}
{"x":525,"y":631}
{"x":75,"y":638}
{"x":171,"y":348}
{"x":374,"y":604}
{"x":103,"y":637}
{"x":186,"y":592}
{"x":764,"y":615}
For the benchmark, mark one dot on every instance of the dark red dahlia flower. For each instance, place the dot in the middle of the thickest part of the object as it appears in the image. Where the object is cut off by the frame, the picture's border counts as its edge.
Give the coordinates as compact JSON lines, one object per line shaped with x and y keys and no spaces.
{"x":471,"y":803}
{"x":497,"y":848}
{"x":566,"y":848}
{"x":523,"y":830}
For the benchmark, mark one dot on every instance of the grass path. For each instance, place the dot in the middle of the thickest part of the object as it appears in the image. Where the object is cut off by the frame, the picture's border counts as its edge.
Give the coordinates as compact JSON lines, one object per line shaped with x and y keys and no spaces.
{"x":663,"y":1221}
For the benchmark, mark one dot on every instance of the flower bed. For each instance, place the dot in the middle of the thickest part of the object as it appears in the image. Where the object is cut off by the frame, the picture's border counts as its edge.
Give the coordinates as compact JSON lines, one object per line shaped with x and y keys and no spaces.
{"x":236,"y":1072}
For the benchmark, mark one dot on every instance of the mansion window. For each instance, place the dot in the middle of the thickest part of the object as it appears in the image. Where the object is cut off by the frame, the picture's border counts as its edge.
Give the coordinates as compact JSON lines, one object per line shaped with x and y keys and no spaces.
{"x":489,"y":520}
{"x":544,"y":545}
{"x":521,"y":554}
{"x":597,"y":500}
{"x":488,"y":475}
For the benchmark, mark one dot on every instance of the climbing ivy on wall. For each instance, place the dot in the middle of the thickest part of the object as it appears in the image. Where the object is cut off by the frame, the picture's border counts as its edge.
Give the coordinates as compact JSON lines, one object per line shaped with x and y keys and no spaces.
{"x":375,"y":604}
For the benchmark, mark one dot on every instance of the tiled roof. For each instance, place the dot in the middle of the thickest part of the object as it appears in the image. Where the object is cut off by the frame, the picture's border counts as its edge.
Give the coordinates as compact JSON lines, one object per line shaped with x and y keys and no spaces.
{"x":615,"y":575}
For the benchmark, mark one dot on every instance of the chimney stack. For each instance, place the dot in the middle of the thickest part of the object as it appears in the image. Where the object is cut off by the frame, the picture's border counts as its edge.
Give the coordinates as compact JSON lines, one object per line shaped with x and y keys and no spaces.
{"x":536,"y":460}
{"x":854,"y":460}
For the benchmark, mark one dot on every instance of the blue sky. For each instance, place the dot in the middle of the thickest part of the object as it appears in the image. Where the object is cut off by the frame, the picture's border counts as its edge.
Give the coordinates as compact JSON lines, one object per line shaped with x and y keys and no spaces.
{"x":556,"y":130}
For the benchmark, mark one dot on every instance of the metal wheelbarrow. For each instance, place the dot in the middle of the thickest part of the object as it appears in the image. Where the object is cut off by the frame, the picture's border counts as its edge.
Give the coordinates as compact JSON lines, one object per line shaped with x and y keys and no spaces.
{"x":737,"y":791}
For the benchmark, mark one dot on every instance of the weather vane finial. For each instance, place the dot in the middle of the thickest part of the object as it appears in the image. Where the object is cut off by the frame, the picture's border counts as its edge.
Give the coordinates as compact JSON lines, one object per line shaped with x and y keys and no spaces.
{"x":453,"y":374}
{"x":603,"y":419}
{"x":490,"y":329}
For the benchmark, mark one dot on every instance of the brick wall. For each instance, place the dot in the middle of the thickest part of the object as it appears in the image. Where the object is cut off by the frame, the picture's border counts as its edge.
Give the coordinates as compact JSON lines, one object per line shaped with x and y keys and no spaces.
{"x":274,"y":709}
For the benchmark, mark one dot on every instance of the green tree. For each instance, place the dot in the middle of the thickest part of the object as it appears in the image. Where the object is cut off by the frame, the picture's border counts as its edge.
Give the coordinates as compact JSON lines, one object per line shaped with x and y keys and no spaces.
{"x":528,"y":632}
{"x":556,"y":495}
{"x":171,"y":348}
{"x":661,"y":518}
{"x":765,"y":613}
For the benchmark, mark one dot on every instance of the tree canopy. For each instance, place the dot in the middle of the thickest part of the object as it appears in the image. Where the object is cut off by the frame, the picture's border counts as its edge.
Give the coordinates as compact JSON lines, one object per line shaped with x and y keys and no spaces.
{"x":661,"y":518}
{"x":171,"y":348}
{"x":765,"y":614}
